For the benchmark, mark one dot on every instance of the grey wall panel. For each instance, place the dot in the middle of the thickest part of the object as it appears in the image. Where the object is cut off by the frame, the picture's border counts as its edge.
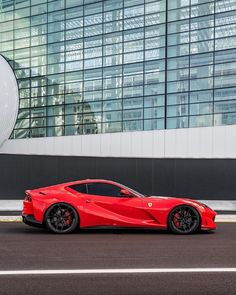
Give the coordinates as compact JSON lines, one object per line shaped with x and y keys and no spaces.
{"x":196,"y":178}
{"x":218,"y":142}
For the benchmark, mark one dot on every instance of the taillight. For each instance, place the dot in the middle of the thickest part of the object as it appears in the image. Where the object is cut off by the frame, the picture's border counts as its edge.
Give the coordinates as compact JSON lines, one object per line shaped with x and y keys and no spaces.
{"x":28,"y":198}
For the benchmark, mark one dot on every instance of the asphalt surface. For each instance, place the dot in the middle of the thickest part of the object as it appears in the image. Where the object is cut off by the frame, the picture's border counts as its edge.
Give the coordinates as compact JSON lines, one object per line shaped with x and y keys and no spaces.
{"x":26,"y":248}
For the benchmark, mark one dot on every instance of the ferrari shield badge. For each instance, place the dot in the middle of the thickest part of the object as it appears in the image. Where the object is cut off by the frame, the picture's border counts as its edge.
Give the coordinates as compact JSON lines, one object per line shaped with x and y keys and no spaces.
{"x":149,"y":204}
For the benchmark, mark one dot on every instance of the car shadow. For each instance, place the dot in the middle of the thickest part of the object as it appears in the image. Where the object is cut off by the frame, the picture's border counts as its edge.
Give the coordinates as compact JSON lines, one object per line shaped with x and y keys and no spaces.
{"x":109,"y":231}
{"x":133,"y":231}
{"x":20,"y":228}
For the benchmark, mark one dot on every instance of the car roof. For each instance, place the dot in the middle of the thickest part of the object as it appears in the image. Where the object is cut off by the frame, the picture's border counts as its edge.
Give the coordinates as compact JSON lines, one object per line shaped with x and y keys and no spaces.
{"x":89,"y":180}
{"x":71,"y":183}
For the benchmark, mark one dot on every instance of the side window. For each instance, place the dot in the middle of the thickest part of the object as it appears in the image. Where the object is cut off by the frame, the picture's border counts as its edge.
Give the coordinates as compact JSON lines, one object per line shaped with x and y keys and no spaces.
{"x":103,"y":189}
{"x":80,"y":188}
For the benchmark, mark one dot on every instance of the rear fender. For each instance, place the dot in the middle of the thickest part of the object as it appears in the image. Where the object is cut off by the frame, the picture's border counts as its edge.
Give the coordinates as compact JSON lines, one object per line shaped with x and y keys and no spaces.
{"x":65,"y":203}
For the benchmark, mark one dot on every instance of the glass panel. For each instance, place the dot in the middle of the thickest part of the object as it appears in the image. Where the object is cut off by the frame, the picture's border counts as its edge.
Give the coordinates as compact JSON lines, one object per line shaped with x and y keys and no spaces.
{"x":133,"y":125}
{"x":201,"y":108}
{"x":224,"y":81}
{"x":201,"y":96}
{"x":201,"y":121}
{"x":179,"y":122}
{"x":154,"y":124}
{"x":225,"y":119}
{"x":173,"y":99}
{"x":225,"y":94}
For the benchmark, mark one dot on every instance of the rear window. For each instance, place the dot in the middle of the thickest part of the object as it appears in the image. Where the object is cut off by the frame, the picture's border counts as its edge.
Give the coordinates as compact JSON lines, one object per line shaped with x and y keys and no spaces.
{"x":80,"y":188}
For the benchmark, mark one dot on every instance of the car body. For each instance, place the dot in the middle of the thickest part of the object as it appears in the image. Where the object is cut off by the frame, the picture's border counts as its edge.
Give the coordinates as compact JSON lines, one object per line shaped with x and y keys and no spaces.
{"x":97,"y":202}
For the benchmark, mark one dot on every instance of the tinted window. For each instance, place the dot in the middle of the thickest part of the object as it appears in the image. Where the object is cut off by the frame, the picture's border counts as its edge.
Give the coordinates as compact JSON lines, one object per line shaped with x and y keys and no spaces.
{"x":103,"y":189}
{"x":80,"y":188}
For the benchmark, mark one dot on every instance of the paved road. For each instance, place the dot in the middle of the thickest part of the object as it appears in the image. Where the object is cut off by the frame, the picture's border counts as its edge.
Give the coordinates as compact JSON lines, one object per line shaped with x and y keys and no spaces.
{"x":23,"y":247}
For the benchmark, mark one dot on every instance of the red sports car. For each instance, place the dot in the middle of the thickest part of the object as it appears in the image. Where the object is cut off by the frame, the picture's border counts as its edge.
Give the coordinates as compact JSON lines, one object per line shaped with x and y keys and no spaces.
{"x":93,"y":202}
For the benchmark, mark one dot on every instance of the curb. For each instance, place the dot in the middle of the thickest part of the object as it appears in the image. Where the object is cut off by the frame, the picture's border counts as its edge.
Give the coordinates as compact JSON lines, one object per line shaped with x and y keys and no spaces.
{"x":219,"y":218}
{"x":10,"y":219}
{"x":225,"y":218}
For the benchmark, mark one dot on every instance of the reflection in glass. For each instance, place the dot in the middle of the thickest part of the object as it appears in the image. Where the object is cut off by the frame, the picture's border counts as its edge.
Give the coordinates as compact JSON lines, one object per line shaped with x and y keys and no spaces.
{"x":86,"y":67}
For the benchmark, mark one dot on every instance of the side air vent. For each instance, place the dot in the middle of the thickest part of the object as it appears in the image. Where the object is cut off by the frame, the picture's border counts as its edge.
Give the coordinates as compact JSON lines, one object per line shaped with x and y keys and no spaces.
{"x":42,"y":193}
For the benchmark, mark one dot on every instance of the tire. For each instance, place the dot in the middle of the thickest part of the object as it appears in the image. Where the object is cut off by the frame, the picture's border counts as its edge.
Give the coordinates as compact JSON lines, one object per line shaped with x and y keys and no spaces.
{"x":184,"y":220}
{"x":61,"y":218}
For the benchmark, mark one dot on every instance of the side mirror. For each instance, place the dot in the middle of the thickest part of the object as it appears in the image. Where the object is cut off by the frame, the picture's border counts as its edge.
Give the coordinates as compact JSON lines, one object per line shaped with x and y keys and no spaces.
{"x":126,"y":194}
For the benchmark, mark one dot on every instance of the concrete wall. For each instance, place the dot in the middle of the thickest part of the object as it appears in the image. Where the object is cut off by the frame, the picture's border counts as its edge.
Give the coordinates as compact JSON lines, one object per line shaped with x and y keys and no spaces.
{"x":207,"y":179}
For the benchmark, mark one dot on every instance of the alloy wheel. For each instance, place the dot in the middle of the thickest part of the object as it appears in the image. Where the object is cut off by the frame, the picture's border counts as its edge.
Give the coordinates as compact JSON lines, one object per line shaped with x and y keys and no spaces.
{"x":184,"y":220}
{"x":61,"y":218}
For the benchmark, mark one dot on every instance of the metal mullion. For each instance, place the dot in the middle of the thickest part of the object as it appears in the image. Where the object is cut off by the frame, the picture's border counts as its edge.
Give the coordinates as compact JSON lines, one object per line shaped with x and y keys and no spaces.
{"x":122,"y":91}
{"x":213,"y":67}
{"x":46,"y":123}
{"x":64,"y":74}
{"x":102,"y":102}
{"x":83,"y":102}
{"x":189,"y":58}
{"x":30,"y":76}
{"x":13,"y":64}
{"x":144,"y":60}
{"x":166,"y":65}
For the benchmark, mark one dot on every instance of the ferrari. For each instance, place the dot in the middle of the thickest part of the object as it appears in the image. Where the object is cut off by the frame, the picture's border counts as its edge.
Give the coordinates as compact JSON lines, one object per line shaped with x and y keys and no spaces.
{"x":92,"y":203}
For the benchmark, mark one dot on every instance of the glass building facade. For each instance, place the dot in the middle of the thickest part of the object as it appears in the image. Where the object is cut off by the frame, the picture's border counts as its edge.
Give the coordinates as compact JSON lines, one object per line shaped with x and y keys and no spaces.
{"x":87,"y":66}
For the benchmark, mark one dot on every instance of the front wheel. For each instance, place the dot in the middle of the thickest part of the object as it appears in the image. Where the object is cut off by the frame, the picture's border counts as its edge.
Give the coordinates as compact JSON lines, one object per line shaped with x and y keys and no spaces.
{"x":184,"y":220}
{"x":61,"y":218}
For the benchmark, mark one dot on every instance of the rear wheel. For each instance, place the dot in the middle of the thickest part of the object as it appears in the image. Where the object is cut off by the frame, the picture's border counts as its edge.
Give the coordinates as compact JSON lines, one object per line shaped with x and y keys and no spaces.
{"x":61,"y":218}
{"x":184,"y":220}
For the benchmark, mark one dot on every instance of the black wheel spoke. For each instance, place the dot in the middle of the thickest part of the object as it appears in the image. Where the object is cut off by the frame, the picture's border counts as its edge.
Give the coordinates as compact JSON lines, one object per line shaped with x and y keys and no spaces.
{"x":61,"y":217}
{"x":184,"y":219}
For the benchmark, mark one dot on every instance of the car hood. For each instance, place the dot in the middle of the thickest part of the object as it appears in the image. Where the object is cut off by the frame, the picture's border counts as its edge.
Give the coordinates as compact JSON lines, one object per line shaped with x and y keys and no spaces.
{"x":174,"y":199}
{"x":165,"y":198}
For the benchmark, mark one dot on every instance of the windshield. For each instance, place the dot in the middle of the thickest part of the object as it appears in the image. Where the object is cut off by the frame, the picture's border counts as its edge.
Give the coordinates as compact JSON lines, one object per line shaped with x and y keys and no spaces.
{"x":132,"y":191}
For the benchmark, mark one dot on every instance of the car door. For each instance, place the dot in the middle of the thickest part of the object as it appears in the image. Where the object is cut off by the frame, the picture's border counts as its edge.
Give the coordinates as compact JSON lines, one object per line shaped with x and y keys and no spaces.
{"x":105,"y":206}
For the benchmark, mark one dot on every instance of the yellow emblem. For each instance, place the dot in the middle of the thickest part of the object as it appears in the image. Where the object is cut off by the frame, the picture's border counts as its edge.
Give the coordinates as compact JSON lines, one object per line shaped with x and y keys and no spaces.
{"x":149,"y":204}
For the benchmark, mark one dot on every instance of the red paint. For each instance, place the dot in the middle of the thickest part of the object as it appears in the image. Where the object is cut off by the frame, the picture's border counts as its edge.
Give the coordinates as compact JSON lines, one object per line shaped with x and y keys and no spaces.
{"x":93,"y":210}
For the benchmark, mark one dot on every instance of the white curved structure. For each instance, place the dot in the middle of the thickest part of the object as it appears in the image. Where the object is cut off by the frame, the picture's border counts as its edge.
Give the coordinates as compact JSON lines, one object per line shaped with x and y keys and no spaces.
{"x":9,"y":100}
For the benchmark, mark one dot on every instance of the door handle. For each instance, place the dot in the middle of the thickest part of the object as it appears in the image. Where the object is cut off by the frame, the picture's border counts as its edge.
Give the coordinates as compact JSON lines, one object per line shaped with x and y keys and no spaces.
{"x":87,"y":201}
